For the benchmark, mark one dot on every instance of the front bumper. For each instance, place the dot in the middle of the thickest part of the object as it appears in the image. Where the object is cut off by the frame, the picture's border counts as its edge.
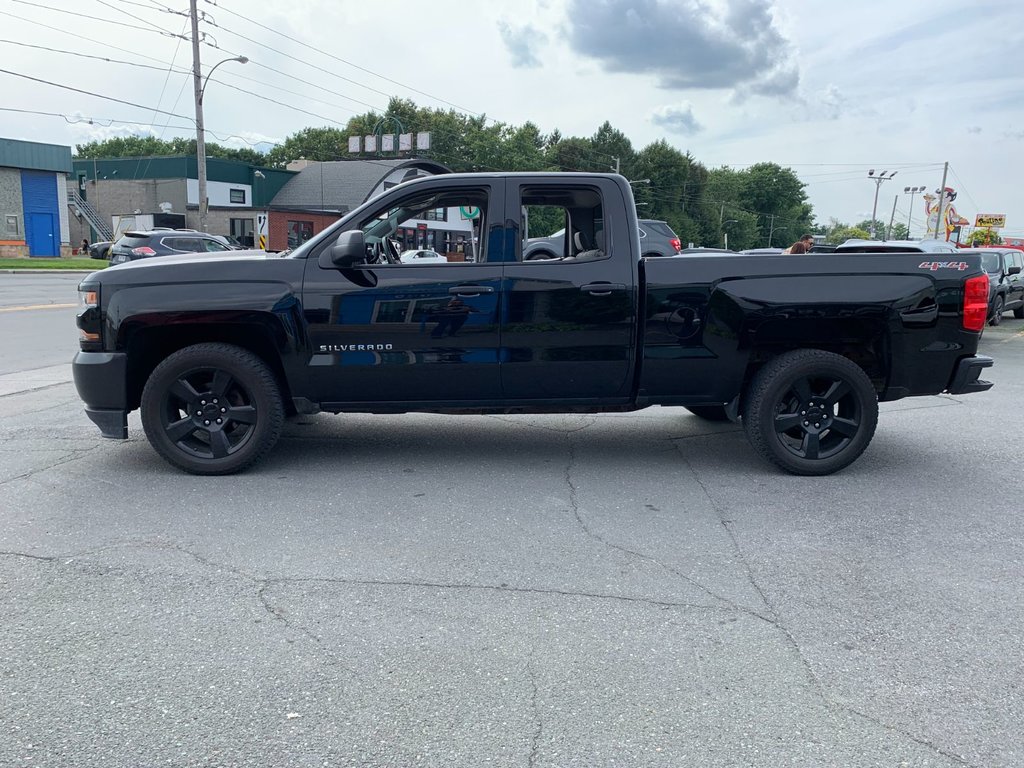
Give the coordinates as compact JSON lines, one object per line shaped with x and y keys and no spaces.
{"x":101,"y":381}
{"x":965,"y":378}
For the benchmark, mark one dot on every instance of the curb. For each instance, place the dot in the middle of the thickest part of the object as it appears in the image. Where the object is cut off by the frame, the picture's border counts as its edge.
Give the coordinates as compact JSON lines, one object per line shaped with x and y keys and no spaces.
{"x":48,"y":271}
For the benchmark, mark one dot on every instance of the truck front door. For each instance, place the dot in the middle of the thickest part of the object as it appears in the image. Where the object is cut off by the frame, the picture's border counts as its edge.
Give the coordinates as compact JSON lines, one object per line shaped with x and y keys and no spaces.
{"x":413,"y":330}
{"x":568,"y":326}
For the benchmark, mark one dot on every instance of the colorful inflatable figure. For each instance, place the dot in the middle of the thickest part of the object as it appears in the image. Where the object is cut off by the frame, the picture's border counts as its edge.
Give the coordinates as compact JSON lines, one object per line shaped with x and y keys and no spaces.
{"x":950,"y":217}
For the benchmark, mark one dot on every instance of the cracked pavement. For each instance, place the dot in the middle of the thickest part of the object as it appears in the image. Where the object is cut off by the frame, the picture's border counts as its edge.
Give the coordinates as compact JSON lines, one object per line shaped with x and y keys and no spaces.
{"x":419,"y":590}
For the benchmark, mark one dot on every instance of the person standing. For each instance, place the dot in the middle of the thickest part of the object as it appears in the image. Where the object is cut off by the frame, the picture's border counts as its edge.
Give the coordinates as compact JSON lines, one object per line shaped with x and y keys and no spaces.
{"x":85,"y":247}
{"x":803,"y":245}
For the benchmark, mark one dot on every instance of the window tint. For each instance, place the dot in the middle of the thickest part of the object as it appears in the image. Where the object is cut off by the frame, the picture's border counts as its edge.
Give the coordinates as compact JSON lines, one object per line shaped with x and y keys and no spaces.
{"x":133,"y":242}
{"x":213,"y":245}
{"x":448,"y":221}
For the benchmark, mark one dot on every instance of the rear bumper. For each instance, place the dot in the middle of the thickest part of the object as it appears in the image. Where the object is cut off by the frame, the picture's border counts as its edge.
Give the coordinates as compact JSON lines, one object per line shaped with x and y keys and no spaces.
{"x":101,"y":381}
{"x":965,"y":379}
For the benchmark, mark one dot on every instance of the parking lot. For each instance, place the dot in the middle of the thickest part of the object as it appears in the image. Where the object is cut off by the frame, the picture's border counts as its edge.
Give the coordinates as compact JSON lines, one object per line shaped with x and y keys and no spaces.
{"x":422,"y":590}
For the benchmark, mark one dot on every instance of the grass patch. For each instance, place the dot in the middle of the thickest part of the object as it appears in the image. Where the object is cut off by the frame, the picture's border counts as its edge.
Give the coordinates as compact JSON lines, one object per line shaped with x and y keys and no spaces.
{"x":53,"y":263}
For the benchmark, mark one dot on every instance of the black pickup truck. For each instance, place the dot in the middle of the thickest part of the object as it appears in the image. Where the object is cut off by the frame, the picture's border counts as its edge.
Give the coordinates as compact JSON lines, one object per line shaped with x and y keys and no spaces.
{"x":218,"y":350}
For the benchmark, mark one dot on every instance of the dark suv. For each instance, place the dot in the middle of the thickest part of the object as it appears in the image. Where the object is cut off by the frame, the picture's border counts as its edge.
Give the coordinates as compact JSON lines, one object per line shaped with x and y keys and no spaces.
{"x":1005,"y":281}
{"x":658,"y":239}
{"x":162,"y":242}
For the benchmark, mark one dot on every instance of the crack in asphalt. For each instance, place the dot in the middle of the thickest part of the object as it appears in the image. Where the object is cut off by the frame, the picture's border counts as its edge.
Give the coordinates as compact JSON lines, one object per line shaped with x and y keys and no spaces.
{"x":537,"y":720}
{"x":575,"y":507}
{"x":776,"y":621}
{"x":43,"y":558}
{"x":278,"y":614}
{"x":74,"y":455}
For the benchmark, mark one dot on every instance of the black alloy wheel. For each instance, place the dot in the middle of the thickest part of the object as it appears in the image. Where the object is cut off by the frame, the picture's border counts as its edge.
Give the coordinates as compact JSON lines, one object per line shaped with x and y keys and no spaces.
{"x":810,"y":412}
{"x":212,"y":409}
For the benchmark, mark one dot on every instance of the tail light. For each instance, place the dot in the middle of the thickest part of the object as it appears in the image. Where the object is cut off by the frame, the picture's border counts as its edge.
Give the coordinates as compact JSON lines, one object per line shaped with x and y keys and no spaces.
{"x":975,"y":303}
{"x":145,"y":250}
{"x":677,"y":244}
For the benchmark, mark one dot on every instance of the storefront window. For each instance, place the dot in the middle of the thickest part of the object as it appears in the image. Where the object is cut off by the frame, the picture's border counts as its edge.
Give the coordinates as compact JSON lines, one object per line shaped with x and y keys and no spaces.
{"x":299,"y":232}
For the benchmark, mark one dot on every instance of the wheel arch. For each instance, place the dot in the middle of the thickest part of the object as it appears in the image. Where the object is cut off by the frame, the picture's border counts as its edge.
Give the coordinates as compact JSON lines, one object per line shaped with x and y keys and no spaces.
{"x":148,"y":344}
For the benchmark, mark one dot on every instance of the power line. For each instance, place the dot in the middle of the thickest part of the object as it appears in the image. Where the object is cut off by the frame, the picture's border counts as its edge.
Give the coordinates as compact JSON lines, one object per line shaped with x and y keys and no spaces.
{"x":96,"y":95}
{"x":94,"y":18}
{"x":107,"y":122}
{"x":344,"y":61}
{"x":298,"y":79}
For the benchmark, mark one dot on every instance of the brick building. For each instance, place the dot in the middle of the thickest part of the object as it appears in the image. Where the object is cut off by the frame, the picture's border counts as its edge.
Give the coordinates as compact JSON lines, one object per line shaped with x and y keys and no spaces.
{"x":33,"y":199}
{"x":321,"y":193}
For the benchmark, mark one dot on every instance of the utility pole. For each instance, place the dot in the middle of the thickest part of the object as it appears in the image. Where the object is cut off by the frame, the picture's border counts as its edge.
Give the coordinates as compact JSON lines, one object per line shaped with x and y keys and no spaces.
{"x":883,"y":176}
{"x":942,"y":199}
{"x":771,"y":228}
{"x":197,"y":83}
{"x":888,"y":232}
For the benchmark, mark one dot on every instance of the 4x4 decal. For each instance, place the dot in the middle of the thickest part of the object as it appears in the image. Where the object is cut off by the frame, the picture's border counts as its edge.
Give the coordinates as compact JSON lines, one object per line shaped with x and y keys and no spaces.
{"x":937,"y":265}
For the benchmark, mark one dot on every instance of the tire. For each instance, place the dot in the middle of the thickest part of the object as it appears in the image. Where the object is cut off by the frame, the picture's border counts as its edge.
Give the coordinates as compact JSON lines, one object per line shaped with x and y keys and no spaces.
{"x":997,"y":311}
{"x":810,"y":412}
{"x":189,"y":391}
{"x":708,"y":412}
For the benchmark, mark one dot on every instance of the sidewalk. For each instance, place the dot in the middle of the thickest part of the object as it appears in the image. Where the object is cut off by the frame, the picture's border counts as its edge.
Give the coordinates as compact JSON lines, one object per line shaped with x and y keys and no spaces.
{"x":40,"y":378}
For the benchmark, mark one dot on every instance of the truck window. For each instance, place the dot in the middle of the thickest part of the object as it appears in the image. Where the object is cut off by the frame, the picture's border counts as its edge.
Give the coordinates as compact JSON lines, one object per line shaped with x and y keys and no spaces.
{"x":446,"y":224}
{"x":561,"y":224}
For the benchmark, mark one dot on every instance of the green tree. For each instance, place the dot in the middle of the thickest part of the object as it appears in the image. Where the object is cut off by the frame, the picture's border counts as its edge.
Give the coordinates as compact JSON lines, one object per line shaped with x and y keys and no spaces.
{"x":984,"y":237}
{"x":841,"y":233}
{"x":311,"y":143}
{"x":136,"y":146}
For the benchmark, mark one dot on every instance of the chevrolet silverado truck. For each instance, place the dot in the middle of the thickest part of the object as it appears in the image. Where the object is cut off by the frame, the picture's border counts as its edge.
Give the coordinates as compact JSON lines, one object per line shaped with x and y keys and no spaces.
{"x":217,"y":350}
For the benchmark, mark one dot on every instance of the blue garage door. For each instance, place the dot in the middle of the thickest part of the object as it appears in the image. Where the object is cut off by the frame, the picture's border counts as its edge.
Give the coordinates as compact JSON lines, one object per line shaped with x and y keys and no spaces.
{"x":42,"y":217}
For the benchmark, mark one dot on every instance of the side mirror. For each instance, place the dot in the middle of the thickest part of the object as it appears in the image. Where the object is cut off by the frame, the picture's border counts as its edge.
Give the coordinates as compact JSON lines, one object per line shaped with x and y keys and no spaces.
{"x":1014,"y":270}
{"x":349,"y":249}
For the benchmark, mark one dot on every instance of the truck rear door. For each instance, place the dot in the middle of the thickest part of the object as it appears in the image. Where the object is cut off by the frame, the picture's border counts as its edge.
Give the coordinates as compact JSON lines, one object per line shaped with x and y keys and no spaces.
{"x":568,"y":324}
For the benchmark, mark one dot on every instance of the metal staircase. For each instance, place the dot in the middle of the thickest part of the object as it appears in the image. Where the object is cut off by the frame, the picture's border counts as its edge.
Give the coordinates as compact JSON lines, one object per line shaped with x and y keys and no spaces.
{"x":81,"y":208}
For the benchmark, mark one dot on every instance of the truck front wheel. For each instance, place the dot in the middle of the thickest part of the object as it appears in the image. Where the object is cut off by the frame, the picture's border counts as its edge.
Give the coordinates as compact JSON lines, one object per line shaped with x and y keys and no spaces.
{"x":810,"y":412}
{"x":212,"y":409}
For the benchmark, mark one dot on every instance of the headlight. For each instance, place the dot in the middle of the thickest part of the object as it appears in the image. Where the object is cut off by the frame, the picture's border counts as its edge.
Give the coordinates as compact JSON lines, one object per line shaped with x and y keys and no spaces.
{"x":89,"y":319}
{"x":88,"y":297}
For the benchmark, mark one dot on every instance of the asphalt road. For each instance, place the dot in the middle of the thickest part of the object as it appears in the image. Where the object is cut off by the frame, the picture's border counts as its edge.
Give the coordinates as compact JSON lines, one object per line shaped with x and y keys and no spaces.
{"x":418,"y":590}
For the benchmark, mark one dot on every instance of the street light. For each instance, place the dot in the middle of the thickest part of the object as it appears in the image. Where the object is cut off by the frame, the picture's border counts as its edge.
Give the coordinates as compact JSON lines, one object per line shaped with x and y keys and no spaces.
{"x":725,"y":234}
{"x":883,"y":176}
{"x":199,"y":86}
{"x":911,"y":191}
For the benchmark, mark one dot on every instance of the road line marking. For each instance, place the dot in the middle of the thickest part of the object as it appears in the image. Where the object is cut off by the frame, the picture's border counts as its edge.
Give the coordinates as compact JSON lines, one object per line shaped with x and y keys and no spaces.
{"x":37,"y":306}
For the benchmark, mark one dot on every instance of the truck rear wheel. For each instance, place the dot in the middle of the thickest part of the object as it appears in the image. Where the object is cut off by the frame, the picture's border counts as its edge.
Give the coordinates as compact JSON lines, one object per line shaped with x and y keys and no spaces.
{"x":212,"y":409}
{"x":810,"y":412}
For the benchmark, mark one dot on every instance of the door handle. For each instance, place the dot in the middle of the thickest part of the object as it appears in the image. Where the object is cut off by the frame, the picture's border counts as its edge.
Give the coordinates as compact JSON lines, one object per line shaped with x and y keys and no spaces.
{"x":470,"y":290}
{"x":602,"y":289}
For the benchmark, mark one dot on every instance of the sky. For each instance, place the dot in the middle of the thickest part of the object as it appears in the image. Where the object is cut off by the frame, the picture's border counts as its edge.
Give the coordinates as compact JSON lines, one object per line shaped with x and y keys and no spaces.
{"x":831,"y":90}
